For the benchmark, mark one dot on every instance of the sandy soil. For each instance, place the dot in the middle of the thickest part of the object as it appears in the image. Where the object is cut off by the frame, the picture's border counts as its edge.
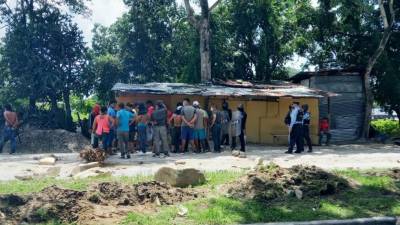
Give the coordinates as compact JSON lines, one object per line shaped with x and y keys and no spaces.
{"x":340,"y":156}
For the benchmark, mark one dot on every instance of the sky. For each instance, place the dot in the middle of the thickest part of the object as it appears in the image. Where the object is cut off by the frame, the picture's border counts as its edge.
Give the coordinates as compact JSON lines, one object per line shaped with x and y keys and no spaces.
{"x":106,"y":12}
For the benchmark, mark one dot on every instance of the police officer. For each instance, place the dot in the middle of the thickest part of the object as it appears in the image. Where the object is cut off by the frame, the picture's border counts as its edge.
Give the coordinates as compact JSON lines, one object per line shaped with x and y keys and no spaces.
{"x":296,"y":129}
{"x":306,"y":126}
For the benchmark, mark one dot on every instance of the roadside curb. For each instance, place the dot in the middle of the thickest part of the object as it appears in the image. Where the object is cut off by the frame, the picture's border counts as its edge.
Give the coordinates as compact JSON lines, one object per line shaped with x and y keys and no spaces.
{"x":361,"y":221}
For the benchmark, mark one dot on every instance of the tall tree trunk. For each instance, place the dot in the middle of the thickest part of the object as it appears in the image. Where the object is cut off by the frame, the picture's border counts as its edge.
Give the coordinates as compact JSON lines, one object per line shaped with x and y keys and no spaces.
{"x":372,"y":61}
{"x":202,"y":25}
{"x":68,"y":112}
{"x":205,"y":54}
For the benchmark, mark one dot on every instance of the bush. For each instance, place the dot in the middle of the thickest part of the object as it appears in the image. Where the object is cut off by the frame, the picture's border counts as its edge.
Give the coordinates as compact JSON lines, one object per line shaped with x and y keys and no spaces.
{"x":387,"y":126}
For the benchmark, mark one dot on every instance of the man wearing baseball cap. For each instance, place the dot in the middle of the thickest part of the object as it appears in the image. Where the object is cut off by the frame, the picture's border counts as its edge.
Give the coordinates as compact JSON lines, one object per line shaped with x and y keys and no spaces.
{"x":199,"y":128}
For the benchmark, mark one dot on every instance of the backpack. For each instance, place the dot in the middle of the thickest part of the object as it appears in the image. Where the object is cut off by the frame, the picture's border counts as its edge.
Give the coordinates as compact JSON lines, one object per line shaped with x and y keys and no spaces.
{"x":287,"y":119}
{"x":300,"y":115}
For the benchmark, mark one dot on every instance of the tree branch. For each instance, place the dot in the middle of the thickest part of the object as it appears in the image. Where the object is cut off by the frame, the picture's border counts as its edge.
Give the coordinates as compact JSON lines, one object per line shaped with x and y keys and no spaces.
{"x":214,"y":5}
{"x":190,"y":13}
{"x":383,"y":14}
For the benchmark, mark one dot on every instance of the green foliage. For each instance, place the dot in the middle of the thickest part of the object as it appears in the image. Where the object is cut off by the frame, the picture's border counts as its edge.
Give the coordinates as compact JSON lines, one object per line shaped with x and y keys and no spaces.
{"x":387,"y":126}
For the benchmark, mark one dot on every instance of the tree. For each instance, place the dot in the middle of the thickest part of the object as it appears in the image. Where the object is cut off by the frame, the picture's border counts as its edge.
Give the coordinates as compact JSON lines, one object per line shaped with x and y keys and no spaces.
{"x":388,"y":23}
{"x":46,"y":56}
{"x":145,"y":35}
{"x":202,"y":25}
{"x":107,"y":70}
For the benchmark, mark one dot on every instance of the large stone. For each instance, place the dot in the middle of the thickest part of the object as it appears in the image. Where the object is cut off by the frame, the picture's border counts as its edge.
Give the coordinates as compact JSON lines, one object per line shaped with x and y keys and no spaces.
{"x":83,"y":167}
{"x":48,"y":161}
{"x":53,"y":171}
{"x":180,"y":178}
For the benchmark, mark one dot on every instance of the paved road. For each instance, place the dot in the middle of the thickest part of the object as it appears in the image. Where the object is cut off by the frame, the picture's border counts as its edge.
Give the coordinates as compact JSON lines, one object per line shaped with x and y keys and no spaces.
{"x":332,"y":157}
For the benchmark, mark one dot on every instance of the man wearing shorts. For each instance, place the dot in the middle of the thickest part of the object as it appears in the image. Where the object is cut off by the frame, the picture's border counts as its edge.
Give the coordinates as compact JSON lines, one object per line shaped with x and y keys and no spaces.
{"x":124,"y":118}
{"x":199,"y":128}
{"x":188,"y":121}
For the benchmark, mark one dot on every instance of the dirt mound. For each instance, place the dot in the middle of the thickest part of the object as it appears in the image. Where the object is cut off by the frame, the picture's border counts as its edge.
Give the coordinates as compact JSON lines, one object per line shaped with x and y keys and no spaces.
{"x":83,"y":207}
{"x":273,"y":182}
{"x":43,"y":141}
{"x":144,"y":193}
{"x":93,"y":155}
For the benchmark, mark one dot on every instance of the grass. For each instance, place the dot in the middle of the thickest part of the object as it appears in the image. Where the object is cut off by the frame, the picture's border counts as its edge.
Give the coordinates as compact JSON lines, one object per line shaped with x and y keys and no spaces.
{"x":374,"y":196}
{"x":36,"y":185}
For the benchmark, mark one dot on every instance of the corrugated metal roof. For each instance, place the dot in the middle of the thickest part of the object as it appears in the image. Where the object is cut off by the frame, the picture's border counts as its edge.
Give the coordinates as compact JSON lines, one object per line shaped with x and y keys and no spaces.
{"x":282,"y":89}
{"x":351,"y":71}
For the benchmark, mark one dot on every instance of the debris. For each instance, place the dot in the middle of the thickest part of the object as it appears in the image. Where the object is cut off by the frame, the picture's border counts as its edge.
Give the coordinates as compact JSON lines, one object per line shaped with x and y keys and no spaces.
{"x":93,"y":155}
{"x":83,"y":167}
{"x":157,"y":201}
{"x":91,"y":173}
{"x":235,"y":153}
{"x":48,"y":161}
{"x":273,"y":182}
{"x":182,"y":210}
{"x":180,"y":178}
{"x":259,"y":161}
{"x":242,"y":155}
{"x":82,"y":207}
{"x":180,"y":162}
{"x":299,"y":194}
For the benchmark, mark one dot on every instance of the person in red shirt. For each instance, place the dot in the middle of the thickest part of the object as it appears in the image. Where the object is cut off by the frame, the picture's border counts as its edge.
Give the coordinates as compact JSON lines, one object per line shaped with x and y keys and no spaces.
{"x":324,"y":130}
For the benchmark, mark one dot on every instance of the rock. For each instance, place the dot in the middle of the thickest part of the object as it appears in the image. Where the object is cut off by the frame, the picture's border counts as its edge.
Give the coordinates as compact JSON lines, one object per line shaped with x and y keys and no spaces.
{"x":235,"y":153}
{"x":157,"y":201}
{"x":91,"y":173}
{"x":298,"y":193}
{"x":242,"y":155}
{"x":83,"y":167}
{"x":24,"y":177}
{"x":180,"y":162}
{"x":49,"y":161}
{"x":53,"y":171}
{"x":182,"y":210}
{"x":180,"y":178}
{"x":259,"y":161}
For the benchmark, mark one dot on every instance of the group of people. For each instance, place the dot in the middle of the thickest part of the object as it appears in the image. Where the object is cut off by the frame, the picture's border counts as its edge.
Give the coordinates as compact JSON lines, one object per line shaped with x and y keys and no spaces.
{"x":298,"y":121}
{"x":144,"y":126}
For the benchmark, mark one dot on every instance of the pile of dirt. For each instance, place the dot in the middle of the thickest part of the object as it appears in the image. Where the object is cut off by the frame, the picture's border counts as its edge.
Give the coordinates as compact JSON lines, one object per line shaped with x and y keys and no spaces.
{"x":273,"y":182}
{"x":110,"y":199}
{"x":93,"y":155}
{"x":44,"y":141}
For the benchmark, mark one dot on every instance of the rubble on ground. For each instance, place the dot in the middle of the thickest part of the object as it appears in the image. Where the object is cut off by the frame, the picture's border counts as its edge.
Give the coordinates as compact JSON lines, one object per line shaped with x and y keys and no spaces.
{"x":93,"y":155}
{"x":72,"y":206}
{"x":273,"y":182}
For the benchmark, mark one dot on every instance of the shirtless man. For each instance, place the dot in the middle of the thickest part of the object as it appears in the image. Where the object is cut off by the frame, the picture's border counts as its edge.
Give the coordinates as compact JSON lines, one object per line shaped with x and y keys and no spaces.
{"x":11,"y":123}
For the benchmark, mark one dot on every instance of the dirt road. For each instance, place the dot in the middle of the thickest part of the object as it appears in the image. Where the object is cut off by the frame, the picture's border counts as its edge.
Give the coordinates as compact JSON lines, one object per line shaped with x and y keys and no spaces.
{"x":341,"y":156}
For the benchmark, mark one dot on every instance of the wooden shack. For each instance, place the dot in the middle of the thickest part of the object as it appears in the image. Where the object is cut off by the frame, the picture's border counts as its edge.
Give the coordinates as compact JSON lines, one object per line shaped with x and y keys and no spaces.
{"x":266,"y":105}
{"x":345,"y":111}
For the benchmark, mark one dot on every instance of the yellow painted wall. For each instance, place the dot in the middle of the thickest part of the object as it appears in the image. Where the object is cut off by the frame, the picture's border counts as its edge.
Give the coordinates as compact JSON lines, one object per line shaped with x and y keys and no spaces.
{"x":265,"y":117}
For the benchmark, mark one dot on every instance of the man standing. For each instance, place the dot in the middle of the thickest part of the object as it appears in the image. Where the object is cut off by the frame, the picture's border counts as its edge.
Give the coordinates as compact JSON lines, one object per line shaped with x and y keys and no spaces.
{"x":216,"y":129}
{"x":296,"y":129}
{"x":306,"y":126}
{"x":226,"y":114}
{"x":199,"y":128}
{"x":189,"y":118}
{"x":11,"y":124}
{"x":242,"y":128}
{"x":324,"y":130}
{"x":111,"y":112}
{"x":124,"y":118}
{"x":159,"y":119}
